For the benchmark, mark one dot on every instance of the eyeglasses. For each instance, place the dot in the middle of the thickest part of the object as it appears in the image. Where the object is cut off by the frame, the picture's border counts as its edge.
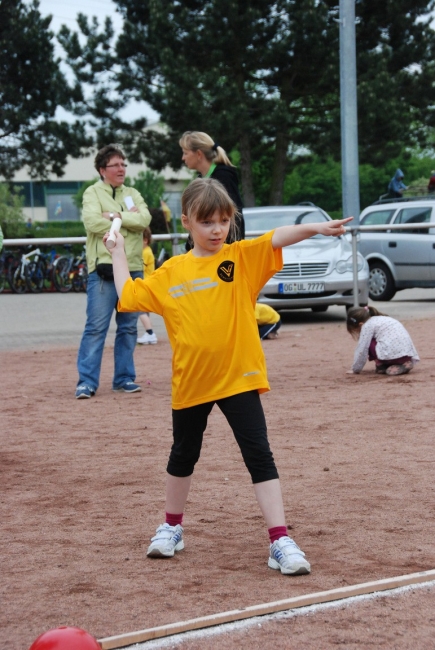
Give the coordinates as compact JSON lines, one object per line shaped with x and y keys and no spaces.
{"x":119,"y":165}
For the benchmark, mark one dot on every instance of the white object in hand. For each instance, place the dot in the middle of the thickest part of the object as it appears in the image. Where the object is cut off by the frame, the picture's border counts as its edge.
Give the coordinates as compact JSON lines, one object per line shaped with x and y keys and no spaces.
{"x":116,"y":225}
{"x":129,"y":202}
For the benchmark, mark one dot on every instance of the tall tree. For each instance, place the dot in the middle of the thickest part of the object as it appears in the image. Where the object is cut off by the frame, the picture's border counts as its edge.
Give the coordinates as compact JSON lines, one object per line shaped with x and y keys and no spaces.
{"x":395,"y":45}
{"x":261,"y":76}
{"x":31,"y":88}
{"x":230,"y":68}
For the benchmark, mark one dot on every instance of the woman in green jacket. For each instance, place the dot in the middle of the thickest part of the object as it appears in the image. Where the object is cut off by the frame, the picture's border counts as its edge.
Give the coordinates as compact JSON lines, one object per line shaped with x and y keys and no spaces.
{"x":107,"y":199}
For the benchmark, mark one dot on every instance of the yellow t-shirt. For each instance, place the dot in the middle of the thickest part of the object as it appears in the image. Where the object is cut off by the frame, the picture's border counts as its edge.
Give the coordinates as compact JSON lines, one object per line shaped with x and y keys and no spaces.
{"x":208,"y":307}
{"x":149,"y":263}
{"x":265,"y":315}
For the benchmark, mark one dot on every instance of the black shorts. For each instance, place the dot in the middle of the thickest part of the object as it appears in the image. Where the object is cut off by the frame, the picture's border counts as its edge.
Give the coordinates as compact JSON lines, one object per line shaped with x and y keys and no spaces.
{"x":245,"y":416}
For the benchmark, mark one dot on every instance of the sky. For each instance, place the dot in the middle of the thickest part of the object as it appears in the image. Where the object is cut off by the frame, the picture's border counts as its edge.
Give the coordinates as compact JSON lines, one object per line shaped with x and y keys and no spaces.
{"x":65,"y":12}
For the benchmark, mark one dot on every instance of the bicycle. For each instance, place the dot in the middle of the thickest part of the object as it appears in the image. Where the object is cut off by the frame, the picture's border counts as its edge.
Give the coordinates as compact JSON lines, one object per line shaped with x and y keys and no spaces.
{"x":70,"y":272}
{"x":30,"y":272}
{"x":6,"y":259}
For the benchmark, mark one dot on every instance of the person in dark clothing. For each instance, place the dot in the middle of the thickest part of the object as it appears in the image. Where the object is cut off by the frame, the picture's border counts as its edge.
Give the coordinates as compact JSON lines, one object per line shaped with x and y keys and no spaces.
{"x":431,"y":185}
{"x":396,"y":185}
{"x":209,"y":159}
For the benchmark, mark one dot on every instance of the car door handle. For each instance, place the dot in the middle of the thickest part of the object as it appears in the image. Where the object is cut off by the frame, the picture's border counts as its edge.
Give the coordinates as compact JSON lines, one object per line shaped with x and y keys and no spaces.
{"x":392,"y":244}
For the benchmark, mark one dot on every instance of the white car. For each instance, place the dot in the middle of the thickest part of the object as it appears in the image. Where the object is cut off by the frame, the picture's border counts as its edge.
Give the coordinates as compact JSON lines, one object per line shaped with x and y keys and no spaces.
{"x":317,"y":272}
{"x":398,"y":259}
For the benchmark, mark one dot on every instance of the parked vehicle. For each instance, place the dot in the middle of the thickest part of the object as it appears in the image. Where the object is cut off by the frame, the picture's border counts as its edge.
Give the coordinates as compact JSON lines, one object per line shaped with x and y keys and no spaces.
{"x":317,"y":272}
{"x":399,"y":259}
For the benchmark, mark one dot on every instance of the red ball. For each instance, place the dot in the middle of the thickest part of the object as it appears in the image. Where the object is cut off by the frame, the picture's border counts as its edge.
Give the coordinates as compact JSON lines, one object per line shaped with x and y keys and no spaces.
{"x":65,"y":638}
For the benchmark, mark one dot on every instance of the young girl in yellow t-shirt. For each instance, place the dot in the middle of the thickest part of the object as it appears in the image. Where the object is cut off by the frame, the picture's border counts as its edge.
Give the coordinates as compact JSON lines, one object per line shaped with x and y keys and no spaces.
{"x":149,"y":265}
{"x":207,"y":298}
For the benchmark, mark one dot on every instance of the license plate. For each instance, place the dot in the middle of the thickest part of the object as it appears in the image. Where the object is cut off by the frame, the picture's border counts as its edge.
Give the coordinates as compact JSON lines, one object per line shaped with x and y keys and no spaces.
{"x":301,"y":287}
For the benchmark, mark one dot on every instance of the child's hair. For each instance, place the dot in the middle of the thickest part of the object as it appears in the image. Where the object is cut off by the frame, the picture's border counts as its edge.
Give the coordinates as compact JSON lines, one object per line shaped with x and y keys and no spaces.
{"x":198,"y":140}
{"x":147,"y":234}
{"x":357,"y":315}
{"x":203,"y":197}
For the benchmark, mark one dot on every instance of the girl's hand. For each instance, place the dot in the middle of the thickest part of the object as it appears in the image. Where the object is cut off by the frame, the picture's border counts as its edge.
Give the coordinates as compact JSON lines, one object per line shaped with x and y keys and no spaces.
{"x":119,"y":242}
{"x":288,"y":235}
{"x":334,"y":227}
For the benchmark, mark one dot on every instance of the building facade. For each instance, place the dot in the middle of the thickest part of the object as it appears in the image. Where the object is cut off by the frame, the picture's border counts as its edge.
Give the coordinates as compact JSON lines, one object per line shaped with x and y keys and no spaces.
{"x":52,"y":199}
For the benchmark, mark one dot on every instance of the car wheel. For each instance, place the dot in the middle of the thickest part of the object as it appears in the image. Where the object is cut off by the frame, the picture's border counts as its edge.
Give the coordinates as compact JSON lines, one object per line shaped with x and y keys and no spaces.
{"x":381,"y":283}
{"x":318,"y":308}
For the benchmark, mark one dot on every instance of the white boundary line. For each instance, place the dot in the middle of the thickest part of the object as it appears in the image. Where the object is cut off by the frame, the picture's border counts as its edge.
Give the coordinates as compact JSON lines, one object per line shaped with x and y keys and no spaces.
{"x":131,"y":638}
{"x":259,"y":621}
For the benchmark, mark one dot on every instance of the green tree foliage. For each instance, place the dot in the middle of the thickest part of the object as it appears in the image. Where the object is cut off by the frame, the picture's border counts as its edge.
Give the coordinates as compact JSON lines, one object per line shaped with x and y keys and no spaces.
{"x":395,"y":73}
{"x":236,"y":70}
{"x":150,"y":185}
{"x":78,"y":197}
{"x":260,"y":76}
{"x":11,"y":212}
{"x":319,"y":181}
{"x":31,"y":89}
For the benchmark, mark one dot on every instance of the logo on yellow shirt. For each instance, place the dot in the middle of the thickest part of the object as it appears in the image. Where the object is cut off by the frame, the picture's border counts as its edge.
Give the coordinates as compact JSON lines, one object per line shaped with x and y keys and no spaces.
{"x":226,"y":271}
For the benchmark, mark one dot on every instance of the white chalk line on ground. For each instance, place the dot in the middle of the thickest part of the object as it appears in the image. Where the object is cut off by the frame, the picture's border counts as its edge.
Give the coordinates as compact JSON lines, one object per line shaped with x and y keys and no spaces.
{"x":258,"y":621}
{"x":246,"y":615}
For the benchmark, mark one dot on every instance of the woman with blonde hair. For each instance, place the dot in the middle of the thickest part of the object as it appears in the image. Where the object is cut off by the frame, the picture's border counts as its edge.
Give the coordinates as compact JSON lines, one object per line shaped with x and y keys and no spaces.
{"x":210,"y":160}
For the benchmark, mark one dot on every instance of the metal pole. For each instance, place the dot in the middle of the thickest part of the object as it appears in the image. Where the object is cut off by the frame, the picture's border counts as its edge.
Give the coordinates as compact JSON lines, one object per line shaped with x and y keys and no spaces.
{"x":176,"y":248}
{"x":349,"y":126}
{"x":355,"y":266}
{"x":32,"y":203}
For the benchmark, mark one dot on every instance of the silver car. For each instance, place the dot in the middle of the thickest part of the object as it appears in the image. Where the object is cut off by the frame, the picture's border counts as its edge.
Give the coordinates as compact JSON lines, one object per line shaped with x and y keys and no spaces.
{"x":317,"y":272}
{"x":399,"y":259}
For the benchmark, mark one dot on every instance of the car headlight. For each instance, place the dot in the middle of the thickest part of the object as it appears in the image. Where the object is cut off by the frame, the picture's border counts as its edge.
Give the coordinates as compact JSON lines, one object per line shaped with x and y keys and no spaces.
{"x":344,"y":266}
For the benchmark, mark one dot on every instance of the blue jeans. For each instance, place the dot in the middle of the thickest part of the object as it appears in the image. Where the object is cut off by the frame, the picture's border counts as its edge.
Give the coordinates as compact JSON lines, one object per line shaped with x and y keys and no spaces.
{"x":102,"y":301}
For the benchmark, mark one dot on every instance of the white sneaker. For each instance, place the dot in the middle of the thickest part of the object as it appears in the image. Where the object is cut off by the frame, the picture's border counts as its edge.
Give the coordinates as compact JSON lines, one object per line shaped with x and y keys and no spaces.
{"x":287,"y":557}
{"x":147,"y":339}
{"x":166,"y":541}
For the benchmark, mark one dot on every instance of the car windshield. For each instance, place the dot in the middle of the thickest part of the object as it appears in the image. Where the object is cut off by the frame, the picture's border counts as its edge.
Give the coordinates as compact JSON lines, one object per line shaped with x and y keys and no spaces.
{"x":270,"y":219}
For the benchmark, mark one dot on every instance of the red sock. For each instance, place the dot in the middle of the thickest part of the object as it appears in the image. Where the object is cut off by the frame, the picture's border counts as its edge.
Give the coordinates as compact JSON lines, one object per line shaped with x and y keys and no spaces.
{"x":277,"y":532}
{"x":173,"y":520}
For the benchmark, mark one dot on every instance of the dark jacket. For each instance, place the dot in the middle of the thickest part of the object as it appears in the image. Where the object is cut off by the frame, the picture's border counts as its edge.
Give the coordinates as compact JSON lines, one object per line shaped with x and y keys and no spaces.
{"x":227,"y":176}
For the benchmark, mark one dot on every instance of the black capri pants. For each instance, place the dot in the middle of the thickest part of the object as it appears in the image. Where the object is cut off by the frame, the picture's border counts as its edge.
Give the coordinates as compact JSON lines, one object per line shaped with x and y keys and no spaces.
{"x":245,"y":415}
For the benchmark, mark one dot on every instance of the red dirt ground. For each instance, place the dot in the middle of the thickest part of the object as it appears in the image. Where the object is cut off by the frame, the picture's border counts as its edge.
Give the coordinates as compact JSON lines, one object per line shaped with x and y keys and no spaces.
{"x":82,"y":491}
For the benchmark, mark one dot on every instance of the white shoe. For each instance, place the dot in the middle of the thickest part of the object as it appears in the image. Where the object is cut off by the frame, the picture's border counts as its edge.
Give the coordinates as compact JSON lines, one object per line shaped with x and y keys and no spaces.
{"x":166,"y":541}
{"x":287,"y":557}
{"x":147,"y":339}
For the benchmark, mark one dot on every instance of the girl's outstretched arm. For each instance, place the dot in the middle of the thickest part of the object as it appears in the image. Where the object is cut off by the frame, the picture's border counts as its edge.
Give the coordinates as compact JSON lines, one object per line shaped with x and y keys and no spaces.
{"x":120,"y":266}
{"x":287,"y":235}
